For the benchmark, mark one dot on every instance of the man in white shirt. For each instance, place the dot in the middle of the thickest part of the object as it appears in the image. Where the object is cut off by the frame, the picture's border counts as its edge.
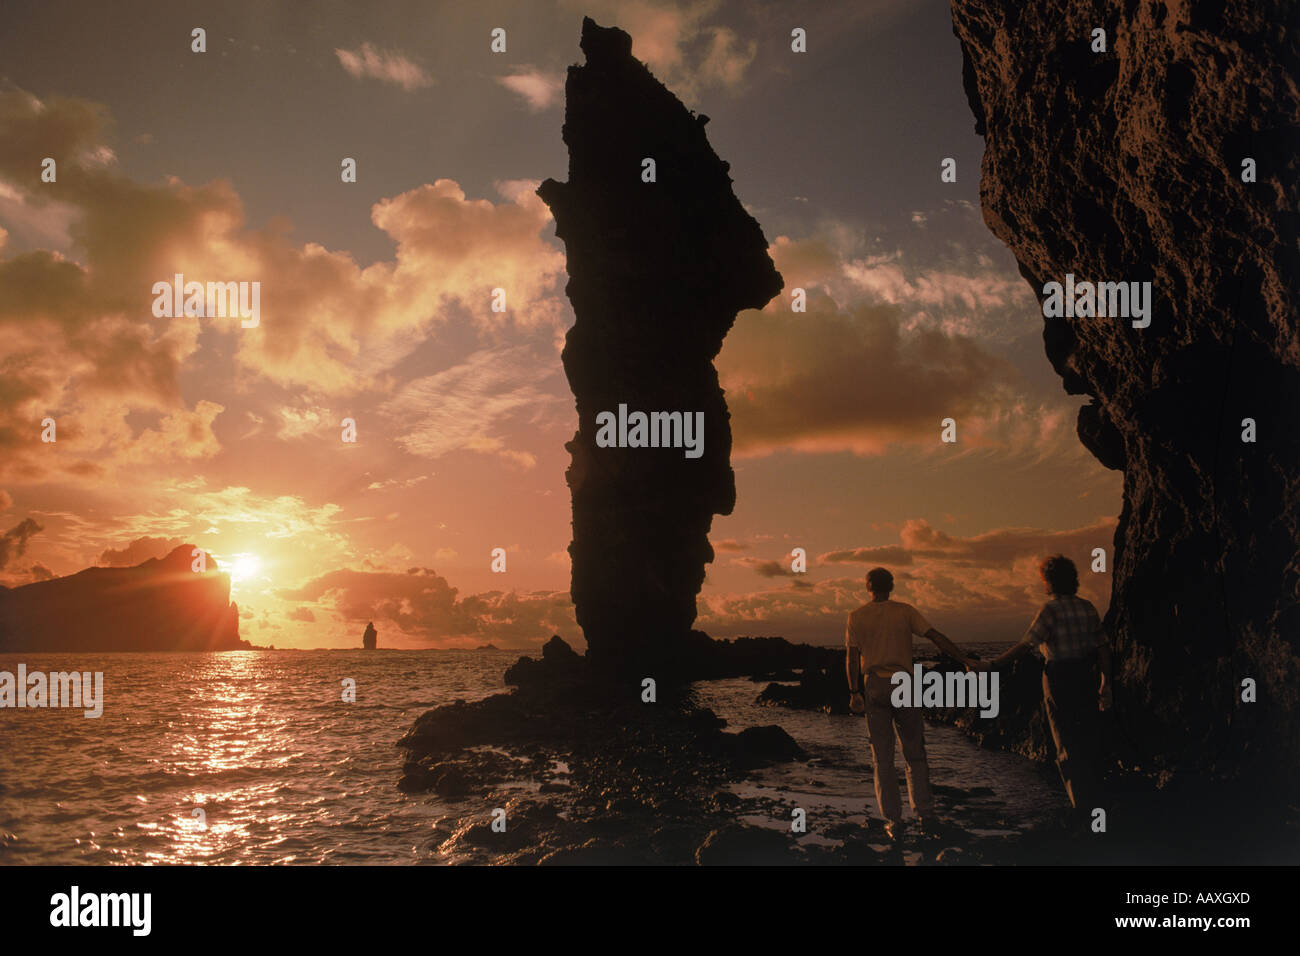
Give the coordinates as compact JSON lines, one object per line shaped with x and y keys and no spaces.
{"x":878,"y":642}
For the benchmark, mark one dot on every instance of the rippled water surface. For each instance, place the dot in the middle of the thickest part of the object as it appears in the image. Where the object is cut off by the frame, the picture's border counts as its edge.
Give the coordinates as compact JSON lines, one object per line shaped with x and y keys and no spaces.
{"x":260,"y":741}
{"x":285,"y":772}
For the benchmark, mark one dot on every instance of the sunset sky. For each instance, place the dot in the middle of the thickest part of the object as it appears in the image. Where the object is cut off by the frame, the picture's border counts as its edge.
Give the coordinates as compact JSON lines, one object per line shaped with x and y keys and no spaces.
{"x":375,"y":305}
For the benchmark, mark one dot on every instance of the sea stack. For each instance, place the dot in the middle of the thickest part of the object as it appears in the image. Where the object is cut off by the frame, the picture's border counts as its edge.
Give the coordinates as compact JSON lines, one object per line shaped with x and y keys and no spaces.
{"x":1166,"y":147}
{"x":370,"y":639}
{"x":661,"y":257}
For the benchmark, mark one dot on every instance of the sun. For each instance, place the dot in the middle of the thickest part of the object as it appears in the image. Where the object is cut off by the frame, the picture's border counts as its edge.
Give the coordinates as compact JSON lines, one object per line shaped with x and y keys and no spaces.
{"x":244,"y":567}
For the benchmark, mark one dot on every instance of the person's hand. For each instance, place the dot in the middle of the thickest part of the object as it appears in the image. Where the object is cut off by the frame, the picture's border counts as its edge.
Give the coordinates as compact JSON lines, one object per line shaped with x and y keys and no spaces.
{"x":1105,"y":700}
{"x":857,"y":703}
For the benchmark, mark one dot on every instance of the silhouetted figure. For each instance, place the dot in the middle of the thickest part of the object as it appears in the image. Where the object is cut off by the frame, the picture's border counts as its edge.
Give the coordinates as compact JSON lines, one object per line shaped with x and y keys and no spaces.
{"x":878,"y":643}
{"x":370,"y":640}
{"x":1067,"y":632}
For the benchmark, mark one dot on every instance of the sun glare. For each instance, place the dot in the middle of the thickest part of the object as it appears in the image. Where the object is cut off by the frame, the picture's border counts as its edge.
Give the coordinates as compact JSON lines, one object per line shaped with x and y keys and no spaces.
{"x":244,"y":567}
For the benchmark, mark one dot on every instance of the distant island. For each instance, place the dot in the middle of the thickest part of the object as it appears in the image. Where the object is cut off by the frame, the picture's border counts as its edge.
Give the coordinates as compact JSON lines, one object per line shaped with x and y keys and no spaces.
{"x":487,"y":647}
{"x":160,"y":605}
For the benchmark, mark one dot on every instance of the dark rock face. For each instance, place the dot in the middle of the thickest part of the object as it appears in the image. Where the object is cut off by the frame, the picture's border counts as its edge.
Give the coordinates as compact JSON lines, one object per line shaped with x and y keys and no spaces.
{"x":657,"y":273}
{"x":160,"y":605}
{"x":1126,"y":166}
{"x":643,"y":783}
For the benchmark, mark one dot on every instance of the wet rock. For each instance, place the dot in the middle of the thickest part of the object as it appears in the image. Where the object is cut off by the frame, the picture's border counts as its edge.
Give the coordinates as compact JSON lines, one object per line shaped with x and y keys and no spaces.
{"x":1020,"y":725}
{"x":594,"y":852}
{"x":759,"y":746}
{"x":1127,"y":166}
{"x":453,"y":780}
{"x":560,"y":667}
{"x":726,"y":800}
{"x":657,"y":272}
{"x":949,"y":855}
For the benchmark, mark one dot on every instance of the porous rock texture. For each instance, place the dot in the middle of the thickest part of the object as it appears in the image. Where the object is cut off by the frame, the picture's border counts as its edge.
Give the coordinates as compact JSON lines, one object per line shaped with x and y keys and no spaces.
{"x":657,"y":272}
{"x":1127,"y":165}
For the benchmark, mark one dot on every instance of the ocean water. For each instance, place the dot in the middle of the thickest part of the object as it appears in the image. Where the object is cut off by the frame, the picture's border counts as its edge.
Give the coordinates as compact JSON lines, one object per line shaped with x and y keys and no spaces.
{"x":283,"y":771}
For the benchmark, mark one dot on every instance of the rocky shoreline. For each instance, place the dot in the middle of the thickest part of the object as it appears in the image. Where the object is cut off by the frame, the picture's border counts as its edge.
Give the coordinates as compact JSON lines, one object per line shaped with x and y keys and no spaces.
{"x":589,"y":773}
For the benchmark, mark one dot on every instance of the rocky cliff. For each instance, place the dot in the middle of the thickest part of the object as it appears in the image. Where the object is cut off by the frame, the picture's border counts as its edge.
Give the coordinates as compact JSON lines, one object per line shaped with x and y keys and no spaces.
{"x":1130,"y":164}
{"x":657,"y":272}
{"x":160,"y":605}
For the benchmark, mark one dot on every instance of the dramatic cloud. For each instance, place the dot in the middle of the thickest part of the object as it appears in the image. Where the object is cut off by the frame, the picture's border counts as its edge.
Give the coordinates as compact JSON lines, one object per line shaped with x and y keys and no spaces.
{"x":79,"y":343}
{"x":457,"y":409}
{"x":886,"y":554}
{"x":540,"y":90}
{"x":729,"y":545}
{"x":891,"y":344}
{"x":981,"y":587}
{"x":822,"y":381}
{"x":965,"y":285}
{"x":1001,"y":547}
{"x":388,"y":66}
{"x":425,"y":608}
{"x":676,"y":41}
{"x":764,"y":569}
{"x":13,"y":543}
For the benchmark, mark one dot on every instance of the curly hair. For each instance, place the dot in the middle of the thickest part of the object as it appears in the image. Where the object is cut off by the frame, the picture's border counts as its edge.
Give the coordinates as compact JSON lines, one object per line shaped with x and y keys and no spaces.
{"x":1060,"y":574}
{"x":880,"y":581}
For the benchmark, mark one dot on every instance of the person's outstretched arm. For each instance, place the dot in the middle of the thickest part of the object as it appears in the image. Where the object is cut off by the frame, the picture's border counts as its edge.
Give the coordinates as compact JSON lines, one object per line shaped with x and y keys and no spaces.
{"x":947,"y":646}
{"x":1035,"y":635}
{"x":1011,"y":653}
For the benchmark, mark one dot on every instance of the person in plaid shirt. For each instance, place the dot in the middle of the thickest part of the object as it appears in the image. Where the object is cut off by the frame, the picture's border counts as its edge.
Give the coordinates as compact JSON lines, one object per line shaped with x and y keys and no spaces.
{"x":1067,"y":632}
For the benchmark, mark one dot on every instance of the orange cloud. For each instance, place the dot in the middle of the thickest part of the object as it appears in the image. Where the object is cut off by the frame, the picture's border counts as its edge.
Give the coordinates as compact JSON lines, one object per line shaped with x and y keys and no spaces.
{"x":388,"y":66}
{"x":539,"y":89}
{"x":425,"y":609}
{"x":823,"y":381}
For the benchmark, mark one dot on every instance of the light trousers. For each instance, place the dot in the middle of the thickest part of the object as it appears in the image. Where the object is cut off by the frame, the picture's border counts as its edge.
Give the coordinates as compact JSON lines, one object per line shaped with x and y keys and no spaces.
{"x":884,"y":721}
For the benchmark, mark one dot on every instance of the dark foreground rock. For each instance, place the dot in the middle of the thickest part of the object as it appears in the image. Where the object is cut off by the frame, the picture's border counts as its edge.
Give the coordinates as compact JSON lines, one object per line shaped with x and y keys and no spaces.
{"x":657,"y":272}
{"x":642,"y":782}
{"x":1127,"y":166}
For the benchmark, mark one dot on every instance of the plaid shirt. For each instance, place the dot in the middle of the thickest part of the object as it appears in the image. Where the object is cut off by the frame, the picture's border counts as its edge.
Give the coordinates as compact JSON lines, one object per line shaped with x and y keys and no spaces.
{"x":1067,"y":628}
